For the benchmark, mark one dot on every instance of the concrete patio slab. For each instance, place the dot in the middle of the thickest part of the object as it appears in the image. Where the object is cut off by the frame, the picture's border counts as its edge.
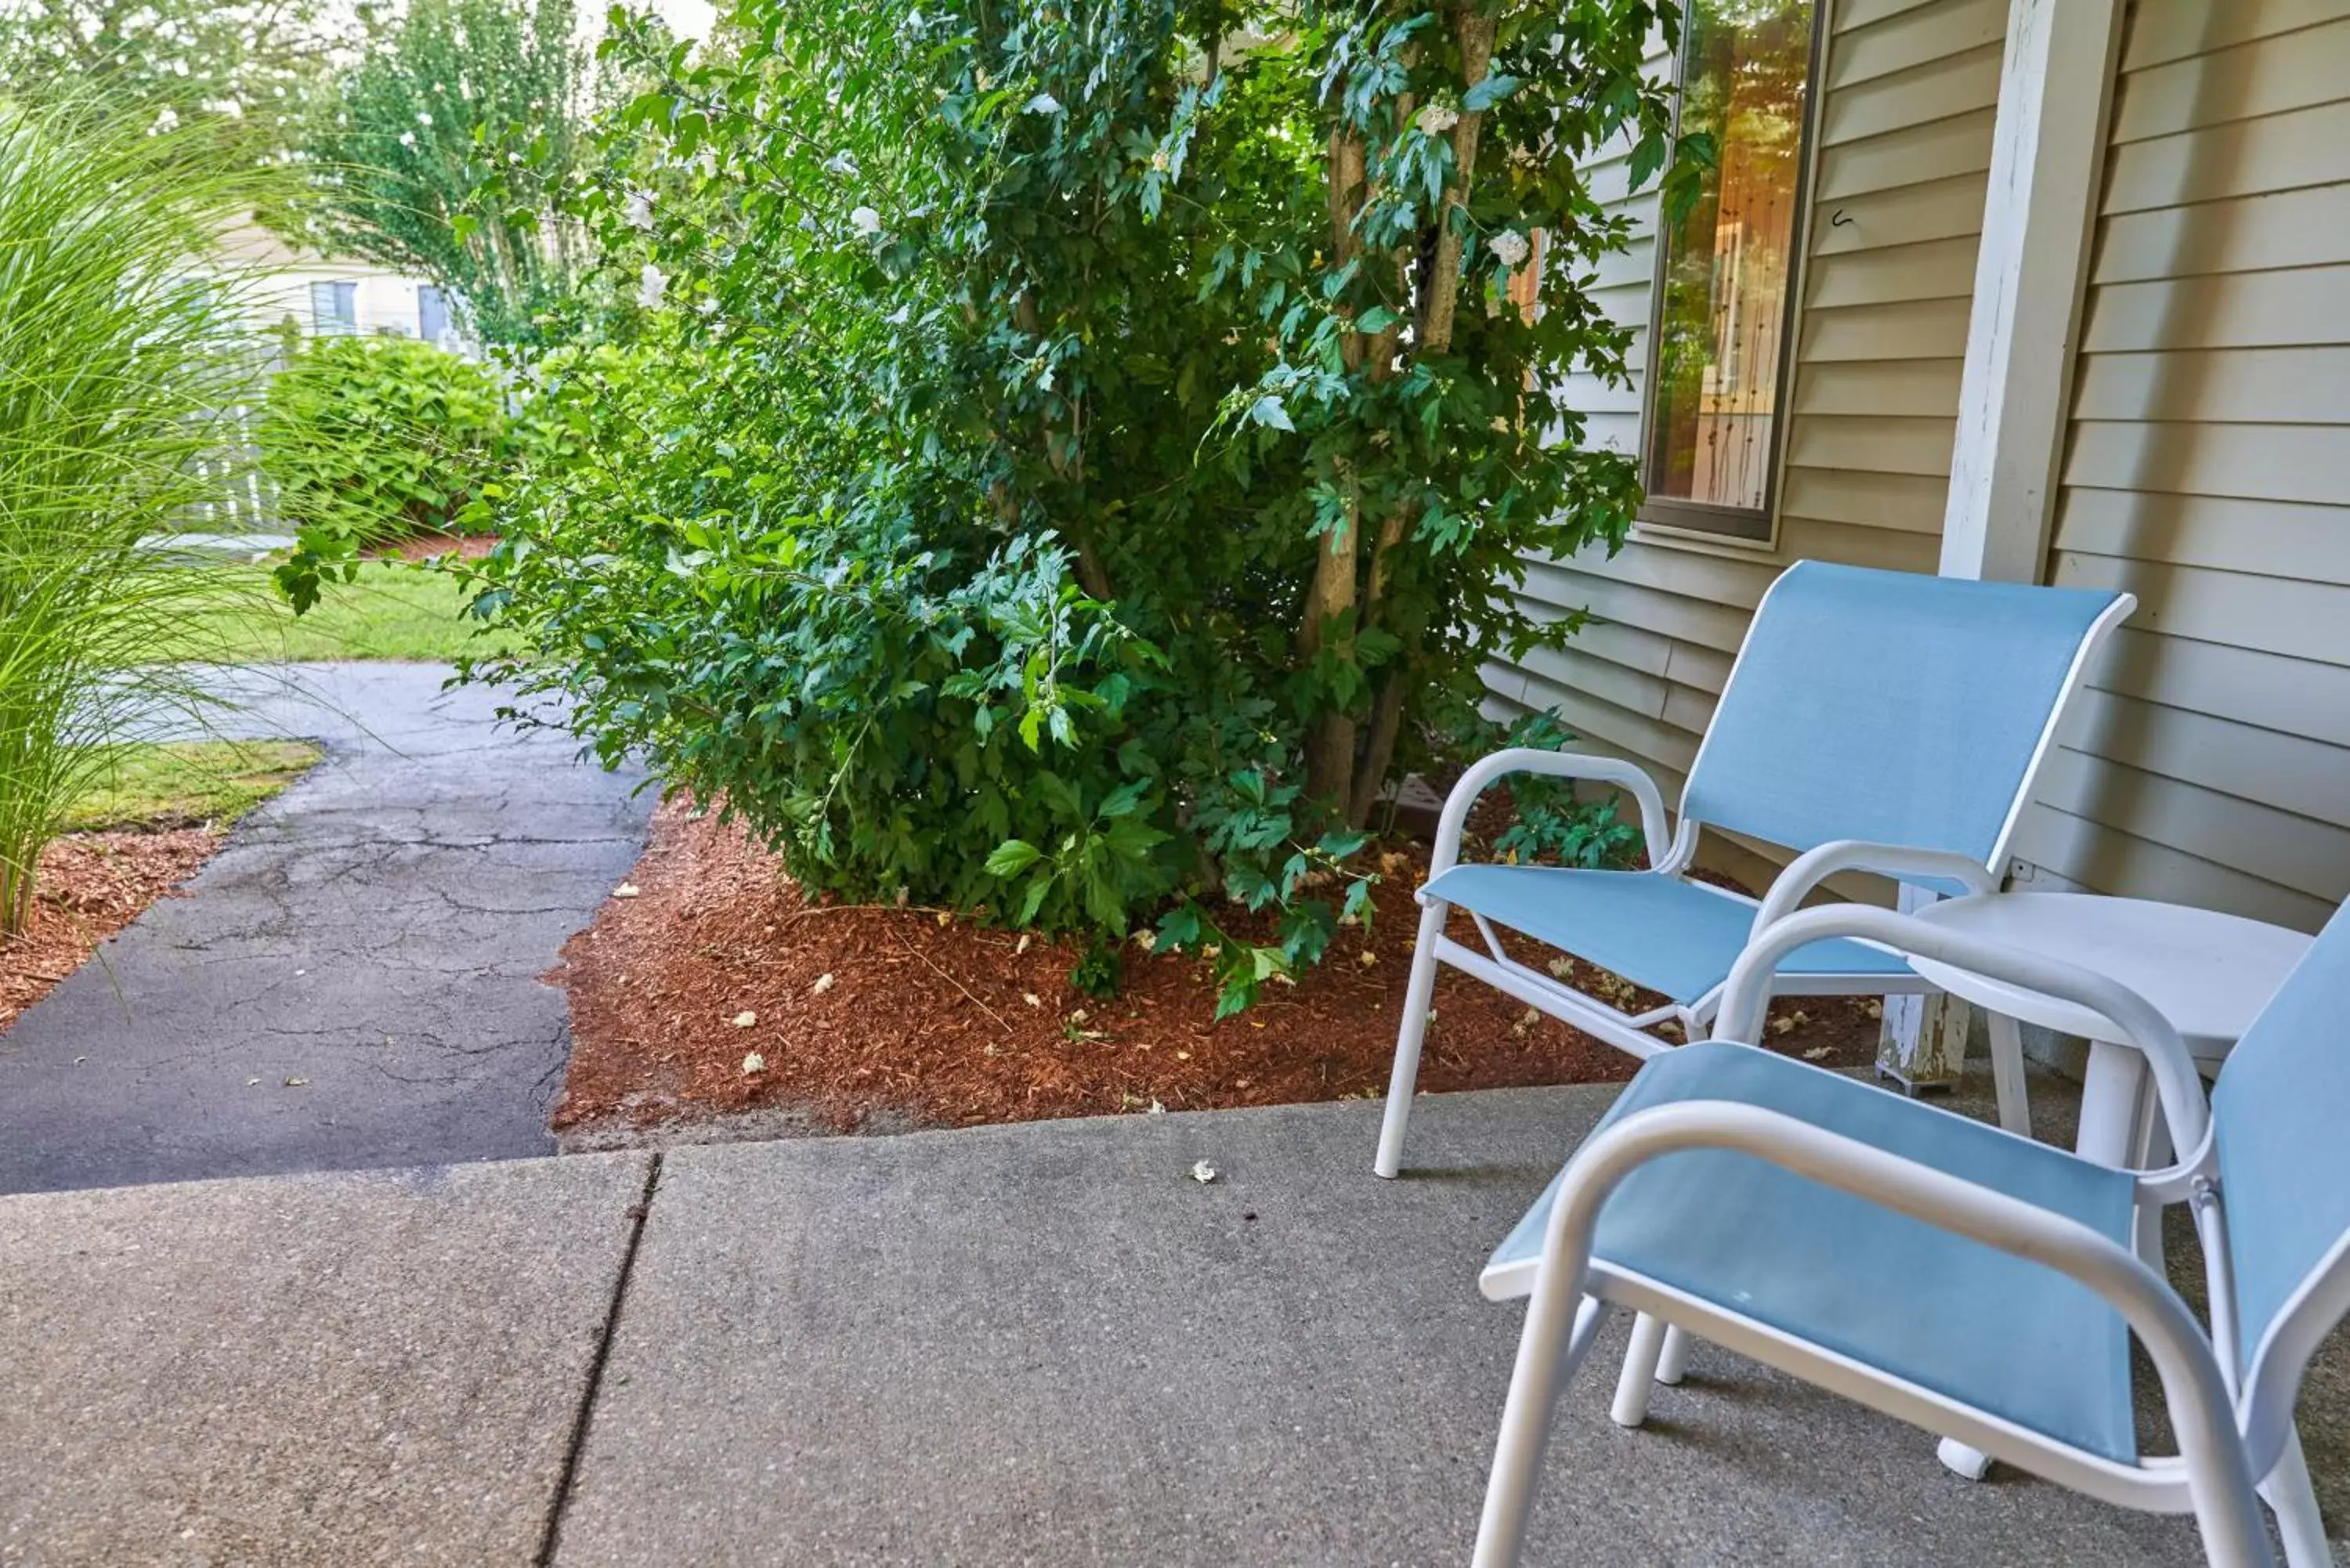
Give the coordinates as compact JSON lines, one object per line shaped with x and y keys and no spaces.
{"x":348,"y":1370}
{"x":1049,"y":1344}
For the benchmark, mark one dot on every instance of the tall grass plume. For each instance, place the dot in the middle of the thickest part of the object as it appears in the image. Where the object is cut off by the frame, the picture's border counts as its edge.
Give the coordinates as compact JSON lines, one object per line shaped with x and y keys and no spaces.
{"x":123,"y":349}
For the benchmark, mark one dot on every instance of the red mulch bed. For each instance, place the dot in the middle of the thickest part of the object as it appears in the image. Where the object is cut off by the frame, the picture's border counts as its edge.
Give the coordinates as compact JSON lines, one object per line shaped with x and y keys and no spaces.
{"x":92,"y":884}
{"x":916,"y":1015}
{"x":424,"y":547}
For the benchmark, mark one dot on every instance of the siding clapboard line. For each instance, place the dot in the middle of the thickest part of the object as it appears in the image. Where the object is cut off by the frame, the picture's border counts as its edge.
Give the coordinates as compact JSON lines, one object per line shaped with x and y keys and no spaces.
{"x":2209,"y":472}
{"x":1908,"y":90}
{"x":2207,"y":467}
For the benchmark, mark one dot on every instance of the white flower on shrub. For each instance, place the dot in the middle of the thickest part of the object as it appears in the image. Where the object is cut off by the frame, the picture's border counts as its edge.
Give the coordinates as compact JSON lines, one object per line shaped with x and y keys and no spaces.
{"x":1510,"y":248}
{"x":841,"y":162}
{"x":407,"y":139}
{"x":1436,"y":119}
{"x":638,"y":210}
{"x":423,"y":120}
{"x":865,"y":220}
{"x":652,"y":284}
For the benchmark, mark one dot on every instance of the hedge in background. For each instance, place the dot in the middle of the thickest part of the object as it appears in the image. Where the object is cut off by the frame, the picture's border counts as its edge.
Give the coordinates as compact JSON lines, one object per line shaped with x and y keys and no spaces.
{"x":375,"y":439}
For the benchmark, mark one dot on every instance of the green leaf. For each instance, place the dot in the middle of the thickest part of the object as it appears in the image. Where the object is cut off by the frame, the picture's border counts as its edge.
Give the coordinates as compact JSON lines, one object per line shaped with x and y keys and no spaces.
{"x":1124,"y":800}
{"x":1179,"y":928}
{"x":1491,"y":91}
{"x":1268,"y":411}
{"x":1013,"y":857}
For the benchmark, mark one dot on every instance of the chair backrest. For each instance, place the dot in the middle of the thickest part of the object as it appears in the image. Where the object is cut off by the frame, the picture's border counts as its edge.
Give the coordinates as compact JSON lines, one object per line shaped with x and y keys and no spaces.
{"x":1892,"y":708}
{"x":2281,"y":1113}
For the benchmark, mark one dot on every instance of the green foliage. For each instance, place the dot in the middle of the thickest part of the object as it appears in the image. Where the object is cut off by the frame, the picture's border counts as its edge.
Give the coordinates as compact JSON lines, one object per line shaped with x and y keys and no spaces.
{"x":1002,"y":481}
{"x":1101,"y":969}
{"x":241,"y":68}
{"x":446,"y":150}
{"x":371,"y":439}
{"x":117,"y":366}
{"x":1551,"y":825}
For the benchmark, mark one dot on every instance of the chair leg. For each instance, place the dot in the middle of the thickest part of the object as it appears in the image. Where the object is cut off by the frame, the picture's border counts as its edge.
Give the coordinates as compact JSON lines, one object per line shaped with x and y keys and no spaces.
{"x":1405,"y":1077}
{"x":1639,"y":1373}
{"x":1549,"y":1352}
{"x":2293,"y":1500}
{"x":2007,"y":1073}
{"x":1673,"y":1365}
{"x":2150,"y":1148}
{"x":1961,"y":1459}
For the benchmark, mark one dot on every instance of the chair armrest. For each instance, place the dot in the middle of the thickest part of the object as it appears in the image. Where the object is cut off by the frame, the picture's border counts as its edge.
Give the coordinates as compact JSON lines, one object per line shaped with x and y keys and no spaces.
{"x":2201,"y":1410}
{"x":1747,"y":991}
{"x":1814,"y":867}
{"x":1556,"y":764}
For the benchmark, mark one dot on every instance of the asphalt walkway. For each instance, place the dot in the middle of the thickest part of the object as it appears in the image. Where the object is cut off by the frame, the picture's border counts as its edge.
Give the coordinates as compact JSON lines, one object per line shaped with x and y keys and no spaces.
{"x":354,"y":979}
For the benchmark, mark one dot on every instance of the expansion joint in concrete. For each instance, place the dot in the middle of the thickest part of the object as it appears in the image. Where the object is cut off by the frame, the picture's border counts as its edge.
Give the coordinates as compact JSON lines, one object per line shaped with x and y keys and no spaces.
{"x":551,"y":1539}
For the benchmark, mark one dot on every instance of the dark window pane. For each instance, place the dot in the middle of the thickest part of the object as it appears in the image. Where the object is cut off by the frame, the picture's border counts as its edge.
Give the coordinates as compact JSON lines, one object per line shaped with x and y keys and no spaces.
{"x":334,"y":307}
{"x":1722,"y":317}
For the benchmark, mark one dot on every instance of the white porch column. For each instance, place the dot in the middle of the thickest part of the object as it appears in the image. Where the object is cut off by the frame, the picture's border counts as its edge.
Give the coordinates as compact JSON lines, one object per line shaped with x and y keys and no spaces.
{"x":2048,"y":151}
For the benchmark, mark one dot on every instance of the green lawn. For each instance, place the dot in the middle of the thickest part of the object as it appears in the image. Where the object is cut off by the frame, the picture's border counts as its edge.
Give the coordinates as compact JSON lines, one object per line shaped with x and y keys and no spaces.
{"x":393,"y":610}
{"x":186,"y":784}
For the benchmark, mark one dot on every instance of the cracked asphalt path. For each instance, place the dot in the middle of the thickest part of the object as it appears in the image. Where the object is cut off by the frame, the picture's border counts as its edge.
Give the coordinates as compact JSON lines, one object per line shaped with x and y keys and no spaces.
{"x":368,"y":947}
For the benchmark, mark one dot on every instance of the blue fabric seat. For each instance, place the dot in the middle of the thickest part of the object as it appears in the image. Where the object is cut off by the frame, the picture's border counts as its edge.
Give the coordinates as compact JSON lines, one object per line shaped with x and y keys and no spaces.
{"x":1658,"y":932}
{"x":2007,"y":1336}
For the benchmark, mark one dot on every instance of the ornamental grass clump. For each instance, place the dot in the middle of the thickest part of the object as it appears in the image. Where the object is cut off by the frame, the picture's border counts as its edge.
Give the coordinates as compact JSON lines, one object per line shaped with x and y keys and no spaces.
{"x":119,"y":358}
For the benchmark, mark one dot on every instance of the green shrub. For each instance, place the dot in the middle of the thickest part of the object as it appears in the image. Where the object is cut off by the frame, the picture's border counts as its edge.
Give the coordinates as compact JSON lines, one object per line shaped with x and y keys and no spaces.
{"x":1070,"y":469}
{"x":373,"y":439}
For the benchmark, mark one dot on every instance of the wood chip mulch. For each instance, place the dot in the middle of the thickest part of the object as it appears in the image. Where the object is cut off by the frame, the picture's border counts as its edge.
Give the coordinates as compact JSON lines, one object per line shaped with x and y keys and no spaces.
{"x":425,"y":547}
{"x":91,"y":885}
{"x":859,"y":1014}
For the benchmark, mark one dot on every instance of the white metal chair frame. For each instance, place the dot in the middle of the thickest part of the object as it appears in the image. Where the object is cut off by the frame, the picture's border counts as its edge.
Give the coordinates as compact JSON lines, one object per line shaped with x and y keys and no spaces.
{"x":2233,"y":1422}
{"x":1672,"y":858}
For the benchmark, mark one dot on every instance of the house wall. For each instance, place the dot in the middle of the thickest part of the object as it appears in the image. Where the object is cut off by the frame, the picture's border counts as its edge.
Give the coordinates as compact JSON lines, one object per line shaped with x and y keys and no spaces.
{"x":280,"y":276}
{"x":383,"y":301}
{"x":1903,"y":130}
{"x":2207,"y":472}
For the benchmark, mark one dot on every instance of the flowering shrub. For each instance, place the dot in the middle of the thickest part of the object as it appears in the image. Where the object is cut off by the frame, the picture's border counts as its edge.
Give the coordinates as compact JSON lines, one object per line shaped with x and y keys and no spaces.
{"x":1068,"y":461}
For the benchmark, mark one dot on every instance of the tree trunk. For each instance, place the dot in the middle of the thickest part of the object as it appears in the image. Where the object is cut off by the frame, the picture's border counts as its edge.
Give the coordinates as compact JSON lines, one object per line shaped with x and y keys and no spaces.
{"x":1475,"y":32}
{"x":1440,"y":297}
{"x":1068,"y":461}
{"x":1330,"y":749}
{"x":1379,"y":751}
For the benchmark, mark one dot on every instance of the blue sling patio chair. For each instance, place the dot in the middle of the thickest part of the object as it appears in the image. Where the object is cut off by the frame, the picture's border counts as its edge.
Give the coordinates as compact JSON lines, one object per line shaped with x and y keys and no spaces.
{"x":1955,"y":1274}
{"x":1874,"y":721}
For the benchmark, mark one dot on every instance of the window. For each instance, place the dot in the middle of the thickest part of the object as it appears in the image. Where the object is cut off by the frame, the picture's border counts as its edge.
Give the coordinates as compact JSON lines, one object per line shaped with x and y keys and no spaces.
{"x":1718,"y":356}
{"x":334,"y":308}
{"x":431,"y":314}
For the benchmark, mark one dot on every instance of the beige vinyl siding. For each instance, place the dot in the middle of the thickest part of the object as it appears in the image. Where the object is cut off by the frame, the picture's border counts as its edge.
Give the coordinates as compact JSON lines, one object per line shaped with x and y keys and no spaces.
{"x":1908,"y":90}
{"x":2207,"y":472}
